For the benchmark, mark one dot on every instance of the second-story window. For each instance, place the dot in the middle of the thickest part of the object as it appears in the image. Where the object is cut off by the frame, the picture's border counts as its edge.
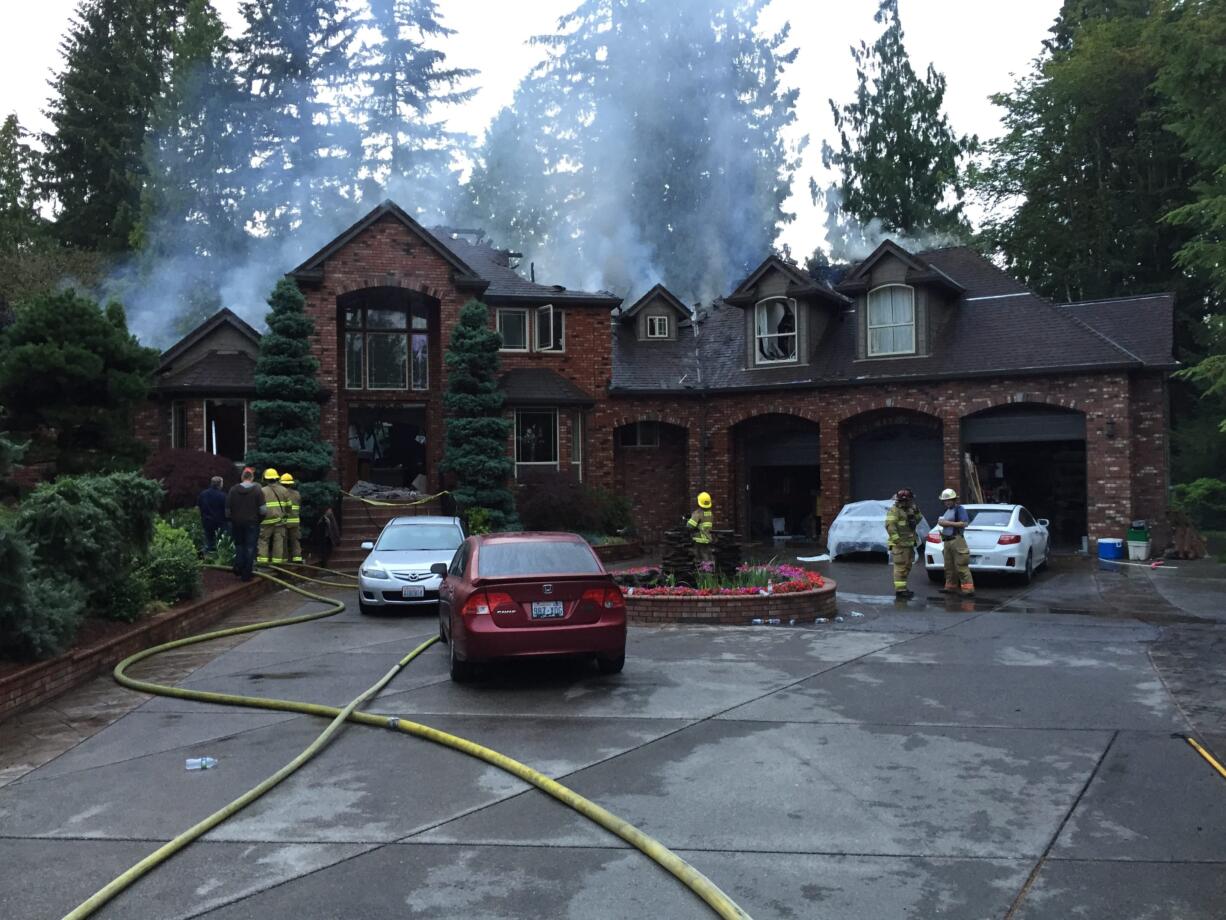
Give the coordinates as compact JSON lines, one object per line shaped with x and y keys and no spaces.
{"x":657,"y":327}
{"x":386,"y":349}
{"x":891,"y":321}
{"x":513,"y":327}
{"x":775,"y":331}
{"x":550,"y":329}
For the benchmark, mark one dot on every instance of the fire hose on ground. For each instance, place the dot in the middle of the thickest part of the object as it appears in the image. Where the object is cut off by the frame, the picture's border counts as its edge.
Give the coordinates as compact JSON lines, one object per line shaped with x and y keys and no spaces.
{"x":698,"y":883}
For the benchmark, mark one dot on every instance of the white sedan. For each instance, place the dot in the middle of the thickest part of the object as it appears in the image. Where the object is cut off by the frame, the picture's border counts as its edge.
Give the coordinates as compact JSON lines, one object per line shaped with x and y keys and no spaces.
{"x":1001,"y":538}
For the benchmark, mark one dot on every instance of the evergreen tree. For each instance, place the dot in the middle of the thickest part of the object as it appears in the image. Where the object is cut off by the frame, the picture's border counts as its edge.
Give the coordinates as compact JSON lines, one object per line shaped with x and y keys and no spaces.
{"x":409,"y":153}
{"x":116,"y":55}
{"x":477,"y":431}
{"x":20,"y":174}
{"x":71,"y":376}
{"x":898,"y":157}
{"x":650,"y":142}
{"x":287,"y":403}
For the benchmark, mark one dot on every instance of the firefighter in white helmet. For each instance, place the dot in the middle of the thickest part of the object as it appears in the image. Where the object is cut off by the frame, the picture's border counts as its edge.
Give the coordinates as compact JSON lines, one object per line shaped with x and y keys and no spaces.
{"x":954,"y":551}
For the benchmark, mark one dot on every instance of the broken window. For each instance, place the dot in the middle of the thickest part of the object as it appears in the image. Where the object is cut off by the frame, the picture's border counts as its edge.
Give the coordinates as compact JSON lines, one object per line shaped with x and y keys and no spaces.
{"x":225,"y":428}
{"x":891,"y":321}
{"x":775,"y":331}
{"x":550,"y":329}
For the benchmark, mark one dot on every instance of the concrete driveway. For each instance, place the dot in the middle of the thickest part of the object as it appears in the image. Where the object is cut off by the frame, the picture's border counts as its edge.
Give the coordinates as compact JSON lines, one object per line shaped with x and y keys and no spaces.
{"x":1007,"y":758}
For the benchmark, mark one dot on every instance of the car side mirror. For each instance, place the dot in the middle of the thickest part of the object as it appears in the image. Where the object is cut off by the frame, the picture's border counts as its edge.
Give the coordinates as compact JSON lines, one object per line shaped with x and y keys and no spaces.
{"x":1044,"y":522}
{"x":439,"y":569}
{"x":368,"y":546}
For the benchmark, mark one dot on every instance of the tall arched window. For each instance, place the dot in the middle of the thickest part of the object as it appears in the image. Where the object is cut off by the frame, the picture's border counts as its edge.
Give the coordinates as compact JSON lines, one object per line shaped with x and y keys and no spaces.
{"x":891,"y":321}
{"x":775,"y":331}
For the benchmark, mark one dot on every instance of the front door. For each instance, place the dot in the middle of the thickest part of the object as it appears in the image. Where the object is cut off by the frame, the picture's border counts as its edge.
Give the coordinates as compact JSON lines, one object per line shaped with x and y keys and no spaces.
{"x":390,"y":445}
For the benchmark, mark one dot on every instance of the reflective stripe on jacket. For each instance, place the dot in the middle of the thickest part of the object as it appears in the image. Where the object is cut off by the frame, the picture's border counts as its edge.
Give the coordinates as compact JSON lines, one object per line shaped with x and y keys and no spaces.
{"x":703,"y":521}
{"x":900,"y":525}
{"x":294,"y":508}
{"x":278,"y":506}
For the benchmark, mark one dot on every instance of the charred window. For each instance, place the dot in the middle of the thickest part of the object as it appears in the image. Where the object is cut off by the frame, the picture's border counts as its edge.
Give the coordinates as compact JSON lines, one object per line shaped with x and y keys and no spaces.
{"x":386,"y":349}
{"x":775,"y":331}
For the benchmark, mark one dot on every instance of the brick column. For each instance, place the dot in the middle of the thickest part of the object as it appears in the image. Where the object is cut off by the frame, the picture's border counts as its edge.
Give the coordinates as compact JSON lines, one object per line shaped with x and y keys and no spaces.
{"x":951,"y":453}
{"x":1109,"y":461}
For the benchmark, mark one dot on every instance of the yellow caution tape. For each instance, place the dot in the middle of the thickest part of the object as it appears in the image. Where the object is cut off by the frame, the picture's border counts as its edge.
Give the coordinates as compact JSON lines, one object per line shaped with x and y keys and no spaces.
{"x":383,"y":504}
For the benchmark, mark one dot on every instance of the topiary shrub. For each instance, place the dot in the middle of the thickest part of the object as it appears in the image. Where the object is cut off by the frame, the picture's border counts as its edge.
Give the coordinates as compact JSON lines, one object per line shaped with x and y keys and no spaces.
{"x":185,"y":473}
{"x":128,"y":598}
{"x":171,"y":566}
{"x":39,"y":616}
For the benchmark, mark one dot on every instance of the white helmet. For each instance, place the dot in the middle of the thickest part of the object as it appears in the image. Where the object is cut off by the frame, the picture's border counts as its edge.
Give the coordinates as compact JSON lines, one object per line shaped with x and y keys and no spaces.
{"x":948,"y":495}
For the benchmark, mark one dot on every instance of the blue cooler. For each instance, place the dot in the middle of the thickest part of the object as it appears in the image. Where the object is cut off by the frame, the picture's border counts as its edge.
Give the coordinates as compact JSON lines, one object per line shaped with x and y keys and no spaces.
{"x":1110,"y":548}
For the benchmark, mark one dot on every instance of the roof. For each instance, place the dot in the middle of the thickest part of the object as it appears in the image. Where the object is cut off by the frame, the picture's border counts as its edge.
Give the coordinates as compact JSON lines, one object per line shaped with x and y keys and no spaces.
{"x":539,"y":386}
{"x":801,"y":283}
{"x":654,"y":364}
{"x":658,"y":292}
{"x":1141,"y":325}
{"x":223,"y":317}
{"x":216,"y":372}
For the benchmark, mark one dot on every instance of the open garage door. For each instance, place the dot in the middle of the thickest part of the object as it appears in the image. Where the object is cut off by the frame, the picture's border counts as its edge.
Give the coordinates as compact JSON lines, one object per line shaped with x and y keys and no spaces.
{"x":1034,"y":456}
{"x":887,"y":459}
{"x":780,"y":480}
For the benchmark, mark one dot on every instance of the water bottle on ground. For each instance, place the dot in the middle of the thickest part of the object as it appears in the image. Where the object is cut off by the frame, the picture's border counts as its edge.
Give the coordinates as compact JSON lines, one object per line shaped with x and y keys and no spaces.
{"x":200,"y":763}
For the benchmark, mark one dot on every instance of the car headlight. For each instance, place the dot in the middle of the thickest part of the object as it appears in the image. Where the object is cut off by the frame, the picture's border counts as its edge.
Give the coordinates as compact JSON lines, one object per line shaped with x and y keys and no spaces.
{"x":374,"y":572}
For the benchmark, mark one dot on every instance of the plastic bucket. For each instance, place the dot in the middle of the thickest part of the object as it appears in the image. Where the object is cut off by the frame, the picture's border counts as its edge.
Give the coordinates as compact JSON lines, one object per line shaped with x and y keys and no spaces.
{"x":1110,"y":548}
{"x":1138,"y":549}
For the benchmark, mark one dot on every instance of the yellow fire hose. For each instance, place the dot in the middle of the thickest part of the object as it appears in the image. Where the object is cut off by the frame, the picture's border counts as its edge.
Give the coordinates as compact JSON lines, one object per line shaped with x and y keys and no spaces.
{"x":698,"y":883}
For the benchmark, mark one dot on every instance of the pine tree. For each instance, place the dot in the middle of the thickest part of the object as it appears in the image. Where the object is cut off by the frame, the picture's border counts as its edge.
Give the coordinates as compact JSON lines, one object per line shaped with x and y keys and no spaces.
{"x":410,"y":155}
{"x":287,"y":403}
{"x":20,"y":174}
{"x":898,"y":157}
{"x":116,"y":56}
{"x":477,"y":431}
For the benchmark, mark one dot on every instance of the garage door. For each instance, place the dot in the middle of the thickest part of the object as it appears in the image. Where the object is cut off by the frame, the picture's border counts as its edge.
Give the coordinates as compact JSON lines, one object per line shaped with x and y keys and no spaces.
{"x":1021,"y":424}
{"x":887,"y":459}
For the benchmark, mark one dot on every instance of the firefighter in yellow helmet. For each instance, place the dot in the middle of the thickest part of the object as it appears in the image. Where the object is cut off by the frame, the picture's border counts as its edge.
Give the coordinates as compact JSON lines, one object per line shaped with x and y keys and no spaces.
{"x":272,"y":528}
{"x":702,"y":522}
{"x":293,"y":543}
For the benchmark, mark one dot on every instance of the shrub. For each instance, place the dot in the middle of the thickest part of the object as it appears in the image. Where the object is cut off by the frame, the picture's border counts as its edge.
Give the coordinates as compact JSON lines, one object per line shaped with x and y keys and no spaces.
{"x":317,"y":497}
{"x":128,"y":598}
{"x":1203,"y":501}
{"x":184,"y":473}
{"x":225,"y":550}
{"x":171,"y":567}
{"x":558,"y":501}
{"x":38,"y":616}
{"x":477,"y":521}
{"x":187,"y":519}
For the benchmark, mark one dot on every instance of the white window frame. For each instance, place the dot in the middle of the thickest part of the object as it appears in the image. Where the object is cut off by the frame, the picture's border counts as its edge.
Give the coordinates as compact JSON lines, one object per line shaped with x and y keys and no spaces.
{"x":870,"y":325}
{"x":556,"y":463}
{"x":175,"y":405}
{"x":758,"y":359}
{"x":527,"y":328}
{"x":661,"y":330}
{"x":576,"y":443}
{"x":557,"y":320}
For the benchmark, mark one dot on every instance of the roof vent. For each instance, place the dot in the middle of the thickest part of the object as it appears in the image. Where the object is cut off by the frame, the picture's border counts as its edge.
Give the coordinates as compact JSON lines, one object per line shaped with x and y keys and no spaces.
{"x":557,"y":287}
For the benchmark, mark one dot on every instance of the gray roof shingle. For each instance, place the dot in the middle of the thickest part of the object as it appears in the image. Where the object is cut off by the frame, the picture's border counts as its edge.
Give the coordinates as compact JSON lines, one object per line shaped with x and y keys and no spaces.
{"x":1142,"y":325}
{"x":215,"y":372}
{"x":539,"y":386}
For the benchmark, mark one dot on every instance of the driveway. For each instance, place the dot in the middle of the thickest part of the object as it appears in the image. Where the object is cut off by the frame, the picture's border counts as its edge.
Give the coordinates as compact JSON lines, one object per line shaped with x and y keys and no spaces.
{"x":1010,"y":757}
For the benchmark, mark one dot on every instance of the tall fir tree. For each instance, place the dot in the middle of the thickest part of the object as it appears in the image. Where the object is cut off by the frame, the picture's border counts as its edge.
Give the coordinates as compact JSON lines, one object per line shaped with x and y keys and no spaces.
{"x":286,"y":406}
{"x":116,"y":58}
{"x":21,"y":224}
{"x":652,"y":140}
{"x":409,"y":153}
{"x":900,"y":161}
{"x":477,"y":432}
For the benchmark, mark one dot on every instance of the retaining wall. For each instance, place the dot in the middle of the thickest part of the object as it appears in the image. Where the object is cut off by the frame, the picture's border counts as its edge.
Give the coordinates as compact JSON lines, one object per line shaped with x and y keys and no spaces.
{"x":803,"y":606}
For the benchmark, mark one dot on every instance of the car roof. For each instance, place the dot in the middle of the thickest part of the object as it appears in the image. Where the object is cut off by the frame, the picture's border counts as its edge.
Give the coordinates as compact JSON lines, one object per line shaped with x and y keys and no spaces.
{"x":531,"y":536}
{"x":991,"y":507}
{"x":406,"y":519}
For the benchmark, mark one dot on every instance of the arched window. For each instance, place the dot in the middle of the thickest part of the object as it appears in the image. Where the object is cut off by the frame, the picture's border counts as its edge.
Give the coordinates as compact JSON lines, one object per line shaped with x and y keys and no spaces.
{"x":891,"y":320}
{"x":775,"y":331}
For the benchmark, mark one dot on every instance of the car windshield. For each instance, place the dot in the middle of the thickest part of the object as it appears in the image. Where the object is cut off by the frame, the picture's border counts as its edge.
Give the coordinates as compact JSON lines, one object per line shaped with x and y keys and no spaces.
{"x":990,"y":517}
{"x":536,"y":557}
{"x":420,"y":537}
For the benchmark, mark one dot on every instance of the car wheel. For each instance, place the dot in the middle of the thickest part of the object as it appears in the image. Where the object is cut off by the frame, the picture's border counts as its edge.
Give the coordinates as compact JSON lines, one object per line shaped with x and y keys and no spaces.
{"x":1028,"y":575}
{"x":936,"y":577}
{"x":461,"y":671}
{"x":611,"y":665}
{"x":367,"y":610}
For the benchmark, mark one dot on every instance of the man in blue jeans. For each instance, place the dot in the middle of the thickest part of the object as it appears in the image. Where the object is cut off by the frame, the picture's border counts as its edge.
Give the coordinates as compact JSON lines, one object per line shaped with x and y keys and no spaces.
{"x":245,"y":509}
{"x":212,"y":505}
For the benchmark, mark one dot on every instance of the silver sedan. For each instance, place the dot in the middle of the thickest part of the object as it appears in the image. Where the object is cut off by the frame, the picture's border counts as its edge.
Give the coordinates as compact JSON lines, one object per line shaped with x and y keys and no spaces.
{"x":396,"y":575}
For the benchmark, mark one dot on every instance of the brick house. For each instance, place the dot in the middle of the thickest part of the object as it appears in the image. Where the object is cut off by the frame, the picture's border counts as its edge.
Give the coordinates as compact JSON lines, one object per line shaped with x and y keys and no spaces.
{"x":785,"y":399}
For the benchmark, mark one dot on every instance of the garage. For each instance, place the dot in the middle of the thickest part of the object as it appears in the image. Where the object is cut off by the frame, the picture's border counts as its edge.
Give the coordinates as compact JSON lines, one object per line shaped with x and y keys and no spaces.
{"x":895,"y":456}
{"x":1034,"y":456}
{"x":782,"y":476}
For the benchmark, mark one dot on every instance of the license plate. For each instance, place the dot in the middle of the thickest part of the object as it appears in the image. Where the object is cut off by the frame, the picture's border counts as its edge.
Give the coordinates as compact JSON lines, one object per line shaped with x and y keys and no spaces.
{"x":412,"y":591}
{"x":975,"y":560}
{"x":546,"y":610}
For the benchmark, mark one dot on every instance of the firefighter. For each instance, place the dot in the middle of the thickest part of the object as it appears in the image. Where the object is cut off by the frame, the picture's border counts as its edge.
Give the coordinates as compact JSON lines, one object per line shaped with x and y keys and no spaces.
{"x":703,"y":522}
{"x":954,"y":551}
{"x":272,"y":528}
{"x":293,"y":545}
{"x":900,"y":523}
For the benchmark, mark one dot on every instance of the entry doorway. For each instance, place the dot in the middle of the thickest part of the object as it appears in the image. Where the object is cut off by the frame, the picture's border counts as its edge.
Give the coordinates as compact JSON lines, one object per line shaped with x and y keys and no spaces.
{"x":390,"y":445}
{"x":225,"y":428}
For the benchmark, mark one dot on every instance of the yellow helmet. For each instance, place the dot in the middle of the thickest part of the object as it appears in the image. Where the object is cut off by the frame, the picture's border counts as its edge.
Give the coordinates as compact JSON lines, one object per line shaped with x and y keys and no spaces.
{"x":704,"y":499}
{"x":270,"y":475}
{"x":287,"y":479}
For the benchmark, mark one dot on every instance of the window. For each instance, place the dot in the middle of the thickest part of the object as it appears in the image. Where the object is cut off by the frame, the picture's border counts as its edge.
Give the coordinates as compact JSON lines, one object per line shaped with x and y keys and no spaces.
{"x":406,"y":537}
{"x":989,"y":517}
{"x":459,"y":561}
{"x":639,"y":434}
{"x":1025,"y":518}
{"x":657,"y":327}
{"x":536,"y":438}
{"x":891,"y":321}
{"x":775,"y":331}
{"x":386,"y":349}
{"x":576,"y":444}
{"x":225,"y":428}
{"x":513,"y":327}
{"x":550,"y":329}
{"x":536,"y":557}
{"x":178,"y":424}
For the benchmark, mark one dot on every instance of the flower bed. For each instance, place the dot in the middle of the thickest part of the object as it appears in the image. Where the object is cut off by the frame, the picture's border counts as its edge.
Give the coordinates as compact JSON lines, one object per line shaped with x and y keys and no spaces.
{"x":782,"y":593}
{"x":749,"y":581}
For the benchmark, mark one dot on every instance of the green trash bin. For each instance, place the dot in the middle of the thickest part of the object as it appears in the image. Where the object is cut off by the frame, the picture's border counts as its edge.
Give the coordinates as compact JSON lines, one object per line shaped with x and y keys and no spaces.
{"x":1138,"y":541}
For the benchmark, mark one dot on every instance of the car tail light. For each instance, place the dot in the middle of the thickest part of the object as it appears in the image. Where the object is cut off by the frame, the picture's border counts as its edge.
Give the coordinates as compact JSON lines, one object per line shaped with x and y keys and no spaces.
{"x":608,"y":598}
{"x":478,"y":604}
{"x":934,"y":536}
{"x":501,"y":602}
{"x":1008,"y":539}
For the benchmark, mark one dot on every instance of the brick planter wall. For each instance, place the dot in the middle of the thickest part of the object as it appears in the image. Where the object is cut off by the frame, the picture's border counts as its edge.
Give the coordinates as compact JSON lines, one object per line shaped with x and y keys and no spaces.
{"x":45,"y":680}
{"x":803,"y":606}
{"x":618,"y":552}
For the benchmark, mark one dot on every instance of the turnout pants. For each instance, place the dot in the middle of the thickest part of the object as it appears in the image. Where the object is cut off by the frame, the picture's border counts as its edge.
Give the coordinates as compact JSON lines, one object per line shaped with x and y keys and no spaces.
{"x":957,"y":558}
{"x":293,"y":543}
{"x":272,"y":544}
{"x":902,"y":557}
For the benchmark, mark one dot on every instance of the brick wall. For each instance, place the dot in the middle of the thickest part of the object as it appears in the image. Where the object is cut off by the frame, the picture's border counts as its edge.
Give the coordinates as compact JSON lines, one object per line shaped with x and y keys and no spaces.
{"x":656,"y":481}
{"x":803,"y":607}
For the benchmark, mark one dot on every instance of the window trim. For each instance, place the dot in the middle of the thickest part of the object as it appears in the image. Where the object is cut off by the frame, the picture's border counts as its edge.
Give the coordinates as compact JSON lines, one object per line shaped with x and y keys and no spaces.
{"x":662,"y":320}
{"x":360,"y":328}
{"x":639,"y":427}
{"x":178,"y":406}
{"x":760,"y":361}
{"x":576,"y":443}
{"x":556,"y":462}
{"x":555,"y":314}
{"x":522,"y":311}
{"x":869,"y":326}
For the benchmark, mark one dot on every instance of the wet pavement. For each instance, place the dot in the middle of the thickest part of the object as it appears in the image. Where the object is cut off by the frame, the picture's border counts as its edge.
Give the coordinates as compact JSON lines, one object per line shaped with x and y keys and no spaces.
{"x":1007,"y":756}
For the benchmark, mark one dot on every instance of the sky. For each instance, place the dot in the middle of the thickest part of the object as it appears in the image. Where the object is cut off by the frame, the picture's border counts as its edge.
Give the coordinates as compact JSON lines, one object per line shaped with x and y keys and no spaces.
{"x":980,"y":46}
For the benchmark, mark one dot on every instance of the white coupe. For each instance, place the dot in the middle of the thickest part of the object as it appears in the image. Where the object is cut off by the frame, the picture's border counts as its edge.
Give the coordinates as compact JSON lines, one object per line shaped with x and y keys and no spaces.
{"x":1001,"y":538}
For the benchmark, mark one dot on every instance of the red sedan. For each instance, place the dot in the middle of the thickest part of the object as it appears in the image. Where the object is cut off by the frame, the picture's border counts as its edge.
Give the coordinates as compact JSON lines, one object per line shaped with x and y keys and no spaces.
{"x":512,"y":595}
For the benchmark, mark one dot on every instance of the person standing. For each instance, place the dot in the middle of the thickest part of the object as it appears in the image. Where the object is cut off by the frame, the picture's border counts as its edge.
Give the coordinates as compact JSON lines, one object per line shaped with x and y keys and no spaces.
{"x":900,"y":522}
{"x":702,"y":522}
{"x":272,"y":527}
{"x":293,"y":543}
{"x":212,"y":505}
{"x":244,"y":510}
{"x":954,"y":552}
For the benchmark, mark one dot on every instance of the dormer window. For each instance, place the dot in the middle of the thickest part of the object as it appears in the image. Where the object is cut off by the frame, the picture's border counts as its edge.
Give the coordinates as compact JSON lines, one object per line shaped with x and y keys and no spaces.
{"x":775,"y":331}
{"x":657,"y":327}
{"x":891,"y":321}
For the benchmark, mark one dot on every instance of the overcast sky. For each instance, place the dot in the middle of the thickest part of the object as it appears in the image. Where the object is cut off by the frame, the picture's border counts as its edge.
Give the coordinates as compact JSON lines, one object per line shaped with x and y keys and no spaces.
{"x":978,"y":44}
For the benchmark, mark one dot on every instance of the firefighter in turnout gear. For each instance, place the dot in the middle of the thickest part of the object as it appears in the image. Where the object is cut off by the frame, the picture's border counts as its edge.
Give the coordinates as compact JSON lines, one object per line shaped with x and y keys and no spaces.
{"x":900,"y":523}
{"x":702,"y":521}
{"x":954,"y":552}
{"x":293,"y":543}
{"x":272,"y":528}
